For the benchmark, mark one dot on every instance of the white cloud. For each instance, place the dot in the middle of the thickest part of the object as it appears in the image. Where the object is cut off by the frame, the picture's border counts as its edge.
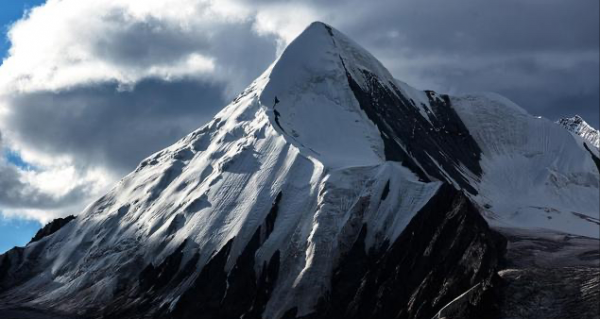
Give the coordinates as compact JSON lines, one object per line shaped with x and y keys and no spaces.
{"x":285,"y":20}
{"x":67,"y":43}
{"x":45,"y":192}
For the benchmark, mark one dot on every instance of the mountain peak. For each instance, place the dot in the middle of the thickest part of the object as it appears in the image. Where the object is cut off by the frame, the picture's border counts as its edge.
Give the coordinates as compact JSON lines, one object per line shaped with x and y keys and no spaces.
{"x":577,"y":125}
{"x":321,"y":51}
{"x":332,"y":98}
{"x":308,"y":93}
{"x":573,"y":119}
{"x":318,"y":25}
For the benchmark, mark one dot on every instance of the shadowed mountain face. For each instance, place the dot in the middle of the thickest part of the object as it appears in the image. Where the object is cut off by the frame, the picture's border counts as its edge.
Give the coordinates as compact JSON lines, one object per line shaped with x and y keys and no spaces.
{"x":329,"y":189}
{"x":52,"y":227}
{"x":439,"y":139}
{"x":448,"y":241}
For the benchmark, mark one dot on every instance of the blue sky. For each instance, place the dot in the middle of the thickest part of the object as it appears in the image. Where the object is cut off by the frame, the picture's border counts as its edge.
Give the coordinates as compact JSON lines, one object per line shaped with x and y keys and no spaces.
{"x":14,"y":232}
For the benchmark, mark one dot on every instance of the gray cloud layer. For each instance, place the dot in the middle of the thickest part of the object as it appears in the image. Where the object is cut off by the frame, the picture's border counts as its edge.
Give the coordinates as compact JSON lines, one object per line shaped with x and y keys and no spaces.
{"x":541,"y":54}
{"x":15,"y":192}
{"x":100,"y":125}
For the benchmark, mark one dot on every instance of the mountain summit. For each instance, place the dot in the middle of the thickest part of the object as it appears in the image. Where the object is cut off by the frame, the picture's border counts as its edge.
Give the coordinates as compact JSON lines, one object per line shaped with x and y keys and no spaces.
{"x":328,"y":189}
{"x":577,"y":125}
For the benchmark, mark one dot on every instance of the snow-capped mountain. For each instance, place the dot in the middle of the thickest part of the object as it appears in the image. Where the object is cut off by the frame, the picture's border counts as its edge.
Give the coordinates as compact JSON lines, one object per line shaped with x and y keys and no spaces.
{"x":327,"y":189}
{"x":577,"y":125}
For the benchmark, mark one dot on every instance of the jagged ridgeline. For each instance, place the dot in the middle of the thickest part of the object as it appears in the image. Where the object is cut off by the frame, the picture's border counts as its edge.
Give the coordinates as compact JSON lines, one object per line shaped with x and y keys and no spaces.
{"x":330,"y":189}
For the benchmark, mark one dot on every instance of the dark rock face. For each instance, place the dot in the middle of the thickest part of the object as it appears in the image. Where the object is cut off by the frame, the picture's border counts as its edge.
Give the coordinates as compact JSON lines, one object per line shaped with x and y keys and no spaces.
{"x":446,"y":250}
{"x":550,"y":275}
{"x":442,"y":138}
{"x":237,"y":294}
{"x":18,"y":312}
{"x":214,"y":292}
{"x":141,"y":299}
{"x":18,"y":265}
{"x":551,"y":293}
{"x":549,"y":250}
{"x":52,"y":227}
{"x":15,"y":268}
{"x":156,"y":278}
{"x":8,"y":262}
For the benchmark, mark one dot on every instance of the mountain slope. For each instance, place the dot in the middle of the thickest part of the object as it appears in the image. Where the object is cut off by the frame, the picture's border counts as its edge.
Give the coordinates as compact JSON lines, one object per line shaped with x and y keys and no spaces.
{"x":323,"y":179}
{"x":536,"y":174}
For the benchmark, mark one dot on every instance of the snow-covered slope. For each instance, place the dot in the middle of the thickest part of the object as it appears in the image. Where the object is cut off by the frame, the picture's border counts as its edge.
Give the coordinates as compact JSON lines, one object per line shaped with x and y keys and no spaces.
{"x":577,"y":125}
{"x":536,"y":174}
{"x":323,"y":159}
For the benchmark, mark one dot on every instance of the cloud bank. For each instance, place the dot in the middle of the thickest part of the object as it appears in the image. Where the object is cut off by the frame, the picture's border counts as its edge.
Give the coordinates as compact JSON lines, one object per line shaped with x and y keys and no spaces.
{"x":89,"y":88}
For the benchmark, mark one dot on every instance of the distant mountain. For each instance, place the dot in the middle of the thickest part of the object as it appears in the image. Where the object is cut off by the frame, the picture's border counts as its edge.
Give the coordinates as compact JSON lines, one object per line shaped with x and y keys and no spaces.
{"x":577,"y":125}
{"x":328,"y":189}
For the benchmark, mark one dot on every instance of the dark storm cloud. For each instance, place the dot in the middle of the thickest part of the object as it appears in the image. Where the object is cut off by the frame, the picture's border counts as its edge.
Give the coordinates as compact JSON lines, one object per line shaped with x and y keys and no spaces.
{"x":147,"y":42}
{"x":541,"y":54}
{"x":537,"y":85}
{"x":235,"y":48}
{"x":485,"y":27}
{"x":101,"y":126}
